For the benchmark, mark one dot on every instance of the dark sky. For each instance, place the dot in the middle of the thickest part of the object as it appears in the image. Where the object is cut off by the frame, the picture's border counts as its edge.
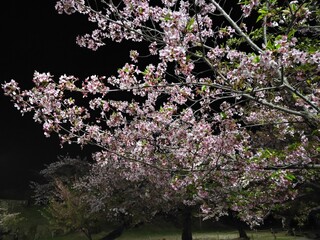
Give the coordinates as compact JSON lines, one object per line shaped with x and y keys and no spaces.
{"x":35,"y":37}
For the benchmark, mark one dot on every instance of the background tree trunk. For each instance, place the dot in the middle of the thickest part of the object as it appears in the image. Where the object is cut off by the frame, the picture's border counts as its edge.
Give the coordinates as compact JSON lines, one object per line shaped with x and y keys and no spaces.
{"x":239,"y":225}
{"x":115,"y":233}
{"x":87,"y":233}
{"x":242,"y":232}
{"x":186,"y":224}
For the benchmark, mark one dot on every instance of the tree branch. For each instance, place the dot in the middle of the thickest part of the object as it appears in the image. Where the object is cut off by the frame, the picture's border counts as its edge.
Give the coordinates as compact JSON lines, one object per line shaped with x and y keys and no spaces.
{"x":265,"y":26}
{"x":236,"y":27}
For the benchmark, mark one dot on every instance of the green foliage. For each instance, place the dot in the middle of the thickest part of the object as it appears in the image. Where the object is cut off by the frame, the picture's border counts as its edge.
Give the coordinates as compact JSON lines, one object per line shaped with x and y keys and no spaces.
{"x":290,"y":177}
{"x":223,"y":115}
{"x":234,"y":42}
{"x":190,"y":23}
{"x":263,"y":12}
{"x":256,"y":34}
{"x":9,"y":221}
{"x":310,"y":45}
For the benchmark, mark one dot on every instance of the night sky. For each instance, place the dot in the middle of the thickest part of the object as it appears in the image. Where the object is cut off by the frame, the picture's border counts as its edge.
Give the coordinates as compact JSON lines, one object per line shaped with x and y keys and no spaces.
{"x":35,"y":37}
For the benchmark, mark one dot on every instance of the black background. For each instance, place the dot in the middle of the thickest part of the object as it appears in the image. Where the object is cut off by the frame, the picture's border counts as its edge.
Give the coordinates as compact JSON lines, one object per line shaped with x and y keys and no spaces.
{"x":34,"y":37}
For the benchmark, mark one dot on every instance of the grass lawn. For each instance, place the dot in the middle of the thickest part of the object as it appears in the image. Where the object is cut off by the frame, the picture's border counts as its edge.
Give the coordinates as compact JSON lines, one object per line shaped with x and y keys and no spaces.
{"x":37,"y":228}
{"x":142,"y":234}
{"x":167,"y":232}
{"x":145,"y":233}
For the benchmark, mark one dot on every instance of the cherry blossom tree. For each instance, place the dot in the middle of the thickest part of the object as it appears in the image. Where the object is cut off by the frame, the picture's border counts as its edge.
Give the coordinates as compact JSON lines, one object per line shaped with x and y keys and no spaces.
{"x":226,"y":110}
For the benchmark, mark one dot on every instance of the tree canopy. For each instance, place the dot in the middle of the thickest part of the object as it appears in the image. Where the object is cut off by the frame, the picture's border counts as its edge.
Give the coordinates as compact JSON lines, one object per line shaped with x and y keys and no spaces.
{"x":221,"y":108}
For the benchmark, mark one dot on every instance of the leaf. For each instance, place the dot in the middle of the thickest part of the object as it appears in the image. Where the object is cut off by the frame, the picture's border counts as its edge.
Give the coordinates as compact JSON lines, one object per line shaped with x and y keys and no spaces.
{"x":291,"y":33}
{"x":190,"y":24}
{"x":295,"y":96}
{"x":249,"y":89}
{"x":260,"y":17}
{"x":256,"y":59}
{"x":263,"y":12}
{"x":223,"y":115}
{"x":167,"y":17}
{"x":294,"y":7}
{"x":290,"y":177}
{"x":145,"y":72}
{"x":270,"y":46}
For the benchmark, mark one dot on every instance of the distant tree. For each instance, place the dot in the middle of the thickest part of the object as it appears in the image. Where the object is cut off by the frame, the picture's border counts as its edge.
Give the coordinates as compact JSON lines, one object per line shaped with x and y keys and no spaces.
{"x":66,"y":170}
{"x":64,"y":207}
{"x":68,"y":212}
{"x":9,"y":222}
{"x":227,"y":110}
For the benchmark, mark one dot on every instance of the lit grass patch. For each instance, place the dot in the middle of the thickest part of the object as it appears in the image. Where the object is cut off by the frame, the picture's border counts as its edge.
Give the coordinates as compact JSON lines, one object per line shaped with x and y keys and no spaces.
{"x":34,"y":224}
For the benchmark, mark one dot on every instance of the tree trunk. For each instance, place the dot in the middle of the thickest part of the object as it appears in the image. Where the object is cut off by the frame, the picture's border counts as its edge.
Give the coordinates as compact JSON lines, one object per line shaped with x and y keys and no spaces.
{"x":291,"y":230}
{"x":115,"y":233}
{"x":186,"y":227}
{"x":287,"y":224}
{"x":87,"y":233}
{"x":239,"y":226}
{"x":242,"y":233}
